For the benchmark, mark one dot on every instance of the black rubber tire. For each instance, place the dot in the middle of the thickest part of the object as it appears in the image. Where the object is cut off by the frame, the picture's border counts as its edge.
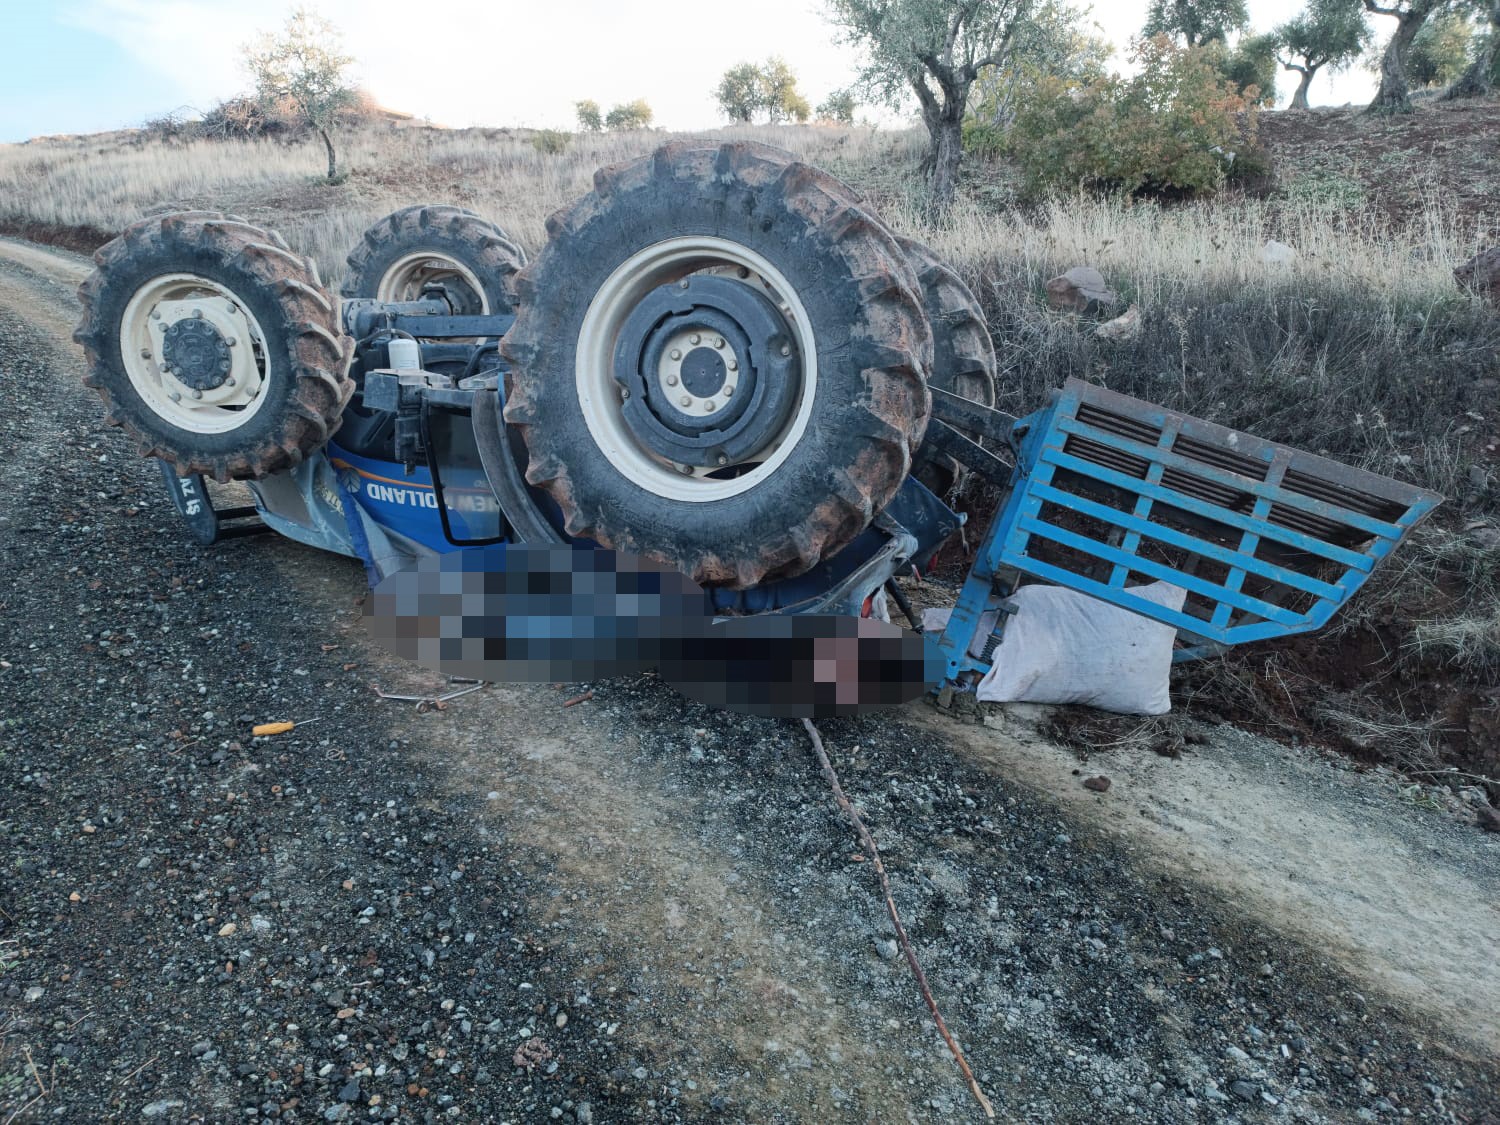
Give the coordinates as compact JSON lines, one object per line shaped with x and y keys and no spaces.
{"x":963,"y":361}
{"x":307,"y":381}
{"x":873,"y":347}
{"x":439,"y":229}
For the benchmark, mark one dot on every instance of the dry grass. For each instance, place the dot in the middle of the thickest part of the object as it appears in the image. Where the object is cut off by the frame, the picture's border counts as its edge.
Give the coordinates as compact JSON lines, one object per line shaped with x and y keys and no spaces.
{"x":1148,"y":252}
{"x":1153,"y":255}
{"x":107,"y":182}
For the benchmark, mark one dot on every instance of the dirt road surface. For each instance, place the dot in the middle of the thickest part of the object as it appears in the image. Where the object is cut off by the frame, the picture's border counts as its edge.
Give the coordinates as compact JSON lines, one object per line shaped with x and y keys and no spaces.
{"x":636,"y":908}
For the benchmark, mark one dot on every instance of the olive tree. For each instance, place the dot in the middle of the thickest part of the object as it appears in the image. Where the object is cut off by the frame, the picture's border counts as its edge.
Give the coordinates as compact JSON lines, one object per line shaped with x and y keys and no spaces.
{"x":1394,"y":94}
{"x":1440,"y":52}
{"x":1057,"y":42}
{"x":739,"y":92}
{"x":747,"y":89}
{"x":304,"y":70}
{"x":1253,"y":63}
{"x":1196,"y":22}
{"x":838,"y":107}
{"x":1479,"y":79}
{"x":781,"y":99}
{"x":630,"y":115}
{"x":1327,"y":33}
{"x":590,"y":118}
{"x":935,"y":50}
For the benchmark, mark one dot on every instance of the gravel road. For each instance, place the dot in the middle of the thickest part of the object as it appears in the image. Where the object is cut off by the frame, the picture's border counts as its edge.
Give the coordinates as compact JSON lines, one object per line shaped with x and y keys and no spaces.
{"x":629,"y":909}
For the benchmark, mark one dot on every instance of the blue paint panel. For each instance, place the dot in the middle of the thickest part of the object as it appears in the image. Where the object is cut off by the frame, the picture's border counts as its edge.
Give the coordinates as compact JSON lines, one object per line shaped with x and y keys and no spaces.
{"x":1024,"y":542}
{"x":406,"y":503}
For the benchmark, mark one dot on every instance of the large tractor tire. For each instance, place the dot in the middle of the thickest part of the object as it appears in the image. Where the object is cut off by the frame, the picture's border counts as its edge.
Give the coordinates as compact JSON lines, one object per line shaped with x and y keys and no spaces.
{"x":473,"y":259}
{"x":719,"y":361}
{"x":214,"y":346}
{"x":963,"y":361}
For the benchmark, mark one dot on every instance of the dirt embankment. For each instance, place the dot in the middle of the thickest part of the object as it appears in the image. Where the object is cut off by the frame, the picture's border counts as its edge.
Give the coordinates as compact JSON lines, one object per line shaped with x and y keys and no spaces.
{"x":636,"y":908}
{"x":1396,"y":166}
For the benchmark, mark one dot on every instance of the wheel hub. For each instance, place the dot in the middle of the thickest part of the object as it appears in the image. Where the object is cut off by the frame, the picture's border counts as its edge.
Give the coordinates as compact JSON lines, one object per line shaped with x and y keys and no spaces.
{"x":196,"y":354}
{"x":710,"y":371}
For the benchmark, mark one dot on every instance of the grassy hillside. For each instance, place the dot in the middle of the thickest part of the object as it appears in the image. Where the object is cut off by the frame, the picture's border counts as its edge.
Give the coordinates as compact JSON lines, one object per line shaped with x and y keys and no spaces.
{"x":1362,"y":347}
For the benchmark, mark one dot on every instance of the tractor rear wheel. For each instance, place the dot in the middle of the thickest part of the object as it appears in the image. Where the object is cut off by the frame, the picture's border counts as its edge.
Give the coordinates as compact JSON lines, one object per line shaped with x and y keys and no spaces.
{"x":963,"y":361}
{"x":214,"y":346}
{"x":434,"y":244}
{"x":719,"y":361}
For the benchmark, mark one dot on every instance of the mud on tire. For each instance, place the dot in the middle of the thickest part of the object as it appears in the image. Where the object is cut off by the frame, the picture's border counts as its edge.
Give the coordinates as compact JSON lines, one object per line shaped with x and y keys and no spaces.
{"x":864,"y":403}
{"x":300,"y":357}
{"x":438,"y":242}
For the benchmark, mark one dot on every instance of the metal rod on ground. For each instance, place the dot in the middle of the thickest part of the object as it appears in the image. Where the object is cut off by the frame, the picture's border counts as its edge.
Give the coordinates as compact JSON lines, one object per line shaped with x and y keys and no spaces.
{"x":868,"y":843}
{"x":429,"y":699}
{"x":903,"y":603}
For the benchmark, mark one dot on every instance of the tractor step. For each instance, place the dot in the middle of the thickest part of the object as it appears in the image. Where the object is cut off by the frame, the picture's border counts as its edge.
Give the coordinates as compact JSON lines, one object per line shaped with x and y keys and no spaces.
{"x":1110,"y":493}
{"x":208,"y":524}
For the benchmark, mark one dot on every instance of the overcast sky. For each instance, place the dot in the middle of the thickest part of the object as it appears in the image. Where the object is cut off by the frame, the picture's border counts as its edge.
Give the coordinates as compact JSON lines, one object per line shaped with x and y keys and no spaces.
{"x":87,"y":65}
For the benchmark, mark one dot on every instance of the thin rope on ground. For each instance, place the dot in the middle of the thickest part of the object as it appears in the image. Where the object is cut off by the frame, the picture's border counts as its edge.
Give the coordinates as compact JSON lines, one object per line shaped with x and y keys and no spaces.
{"x":868,"y":843}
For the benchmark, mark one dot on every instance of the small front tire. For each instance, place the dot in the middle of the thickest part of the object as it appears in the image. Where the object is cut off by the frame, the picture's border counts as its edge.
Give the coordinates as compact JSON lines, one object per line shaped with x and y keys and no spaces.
{"x":214,"y":346}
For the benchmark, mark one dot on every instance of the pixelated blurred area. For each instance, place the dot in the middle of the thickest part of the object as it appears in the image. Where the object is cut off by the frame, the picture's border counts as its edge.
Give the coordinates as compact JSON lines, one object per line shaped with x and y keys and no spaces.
{"x":804,"y":667}
{"x":536,"y":614}
{"x":546,"y":614}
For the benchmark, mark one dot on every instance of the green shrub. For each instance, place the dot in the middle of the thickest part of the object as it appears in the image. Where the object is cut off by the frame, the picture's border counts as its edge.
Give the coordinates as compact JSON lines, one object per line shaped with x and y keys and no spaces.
{"x":1172,"y":128}
{"x":550,"y":142}
{"x":983,"y":140}
{"x":1325,"y":188}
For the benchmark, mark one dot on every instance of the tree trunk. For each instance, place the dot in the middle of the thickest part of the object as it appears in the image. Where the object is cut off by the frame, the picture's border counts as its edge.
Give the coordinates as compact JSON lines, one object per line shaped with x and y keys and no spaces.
{"x":1394,"y":95}
{"x":1299,"y":99}
{"x":947,"y":148}
{"x":333,"y":168}
{"x":1478,"y":80}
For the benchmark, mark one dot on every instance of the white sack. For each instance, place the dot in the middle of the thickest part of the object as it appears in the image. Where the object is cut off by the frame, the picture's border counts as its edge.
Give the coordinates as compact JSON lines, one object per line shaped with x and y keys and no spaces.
{"x":1061,"y":646}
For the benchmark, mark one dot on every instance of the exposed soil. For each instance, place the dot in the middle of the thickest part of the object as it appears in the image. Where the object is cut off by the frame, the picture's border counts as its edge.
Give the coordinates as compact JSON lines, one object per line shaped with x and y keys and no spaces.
{"x":1349,"y":691}
{"x":637,"y":908}
{"x":1444,"y":152}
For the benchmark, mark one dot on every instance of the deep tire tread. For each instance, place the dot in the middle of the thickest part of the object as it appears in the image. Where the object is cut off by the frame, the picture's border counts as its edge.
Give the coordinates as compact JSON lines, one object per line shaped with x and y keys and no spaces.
{"x":963,"y":354}
{"x":485,"y":248}
{"x":891,"y":344}
{"x":318,"y":386}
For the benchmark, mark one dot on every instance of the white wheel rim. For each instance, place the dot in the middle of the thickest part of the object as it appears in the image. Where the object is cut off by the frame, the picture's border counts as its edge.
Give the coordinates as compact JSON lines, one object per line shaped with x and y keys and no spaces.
{"x":162,"y":302}
{"x":404,"y":279}
{"x":600,"y":397}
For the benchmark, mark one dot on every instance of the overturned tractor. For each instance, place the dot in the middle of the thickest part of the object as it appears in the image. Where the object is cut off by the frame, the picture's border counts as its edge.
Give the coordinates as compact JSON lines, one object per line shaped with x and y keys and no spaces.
{"x":721,"y":360}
